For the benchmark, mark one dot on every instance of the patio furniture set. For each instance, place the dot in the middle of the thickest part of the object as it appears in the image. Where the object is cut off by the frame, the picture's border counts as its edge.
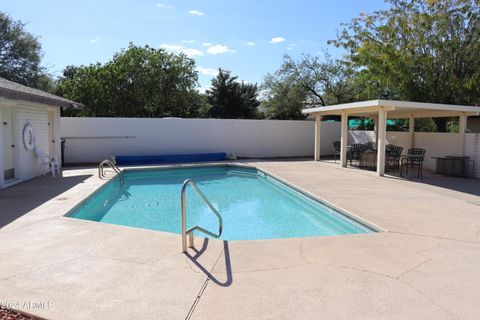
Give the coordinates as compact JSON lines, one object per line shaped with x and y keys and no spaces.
{"x":364,"y":155}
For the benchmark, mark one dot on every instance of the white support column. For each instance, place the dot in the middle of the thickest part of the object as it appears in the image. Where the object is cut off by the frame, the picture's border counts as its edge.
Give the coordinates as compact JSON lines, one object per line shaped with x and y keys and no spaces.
{"x":411,"y":130}
{"x":344,"y":139}
{"x":462,"y":126}
{"x":382,"y":132}
{"x":318,"y":122}
{"x":375,"y":128}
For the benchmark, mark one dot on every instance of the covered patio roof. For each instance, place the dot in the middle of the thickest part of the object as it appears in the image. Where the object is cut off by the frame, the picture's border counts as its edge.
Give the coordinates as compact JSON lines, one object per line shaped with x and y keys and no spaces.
{"x":396,"y":109}
{"x":380,"y":110}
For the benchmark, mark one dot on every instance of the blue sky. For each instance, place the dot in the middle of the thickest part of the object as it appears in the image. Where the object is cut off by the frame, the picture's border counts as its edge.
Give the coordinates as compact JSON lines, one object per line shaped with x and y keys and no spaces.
{"x":245,"y":36}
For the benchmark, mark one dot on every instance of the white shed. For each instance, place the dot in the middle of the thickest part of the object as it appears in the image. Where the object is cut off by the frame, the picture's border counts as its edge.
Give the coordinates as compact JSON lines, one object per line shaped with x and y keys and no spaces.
{"x":29,"y":119}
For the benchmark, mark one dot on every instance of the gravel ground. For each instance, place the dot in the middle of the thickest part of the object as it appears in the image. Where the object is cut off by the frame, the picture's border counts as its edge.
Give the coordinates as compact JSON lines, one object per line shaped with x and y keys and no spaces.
{"x":6,"y":314}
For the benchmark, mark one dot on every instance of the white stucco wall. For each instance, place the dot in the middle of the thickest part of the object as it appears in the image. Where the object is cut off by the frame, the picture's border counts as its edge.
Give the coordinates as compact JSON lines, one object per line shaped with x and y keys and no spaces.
{"x":436,"y":144}
{"x":246,"y":138}
{"x":472,"y":150}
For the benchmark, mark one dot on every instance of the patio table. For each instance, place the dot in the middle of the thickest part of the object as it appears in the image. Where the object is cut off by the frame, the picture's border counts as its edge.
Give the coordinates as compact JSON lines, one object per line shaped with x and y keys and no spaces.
{"x":368,"y":160}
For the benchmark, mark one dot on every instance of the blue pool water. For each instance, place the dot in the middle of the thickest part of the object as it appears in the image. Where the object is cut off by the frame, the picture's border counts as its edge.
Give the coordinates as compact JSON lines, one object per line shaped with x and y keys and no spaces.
{"x":253,"y":205}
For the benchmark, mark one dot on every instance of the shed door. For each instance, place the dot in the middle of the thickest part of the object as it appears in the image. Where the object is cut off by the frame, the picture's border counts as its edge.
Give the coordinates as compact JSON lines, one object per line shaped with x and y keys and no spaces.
{"x":51,"y":134}
{"x":8,"y":143}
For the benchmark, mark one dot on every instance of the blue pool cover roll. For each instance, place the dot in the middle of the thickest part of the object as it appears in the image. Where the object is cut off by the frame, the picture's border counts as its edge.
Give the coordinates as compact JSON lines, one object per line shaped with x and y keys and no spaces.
{"x":172,"y":158}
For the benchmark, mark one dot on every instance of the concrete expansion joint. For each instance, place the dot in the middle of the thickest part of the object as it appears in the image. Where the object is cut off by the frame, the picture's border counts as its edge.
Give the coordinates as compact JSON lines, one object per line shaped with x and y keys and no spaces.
{"x":435,"y":237}
{"x":413,"y":268}
{"x":203,"y":287}
{"x":400,"y":281}
{"x":423,"y":294}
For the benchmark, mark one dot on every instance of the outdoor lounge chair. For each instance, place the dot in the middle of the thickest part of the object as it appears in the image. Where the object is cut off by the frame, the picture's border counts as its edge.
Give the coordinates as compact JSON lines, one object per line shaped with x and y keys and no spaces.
{"x":393,"y":155}
{"x":336,"y":147}
{"x":371,"y":145}
{"x":355,"y":151}
{"x":413,"y":160}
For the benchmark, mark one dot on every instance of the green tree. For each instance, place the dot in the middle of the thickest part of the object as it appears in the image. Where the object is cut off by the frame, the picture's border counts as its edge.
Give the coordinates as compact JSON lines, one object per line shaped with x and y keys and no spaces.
{"x":309,"y":81}
{"x":20,"y":53}
{"x":284,"y":98}
{"x":230,"y":99}
{"x":417,"y":50}
{"x":326,"y":81}
{"x":137,"y":82}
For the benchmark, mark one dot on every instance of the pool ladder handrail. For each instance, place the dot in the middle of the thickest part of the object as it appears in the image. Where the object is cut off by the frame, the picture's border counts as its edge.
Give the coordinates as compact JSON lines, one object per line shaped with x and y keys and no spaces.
{"x":189,"y":232}
{"x":111,"y":164}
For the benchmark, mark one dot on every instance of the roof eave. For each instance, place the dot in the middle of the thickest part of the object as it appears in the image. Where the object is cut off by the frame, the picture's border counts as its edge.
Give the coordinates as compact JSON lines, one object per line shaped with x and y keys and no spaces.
{"x":18,"y":95}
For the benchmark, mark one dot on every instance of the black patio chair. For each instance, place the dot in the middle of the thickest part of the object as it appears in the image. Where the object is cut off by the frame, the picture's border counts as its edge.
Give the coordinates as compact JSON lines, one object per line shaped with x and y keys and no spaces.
{"x":414,"y":159}
{"x":393,"y":155}
{"x":355,"y":151}
{"x":336,"y":147}
{"x":371,"y":145}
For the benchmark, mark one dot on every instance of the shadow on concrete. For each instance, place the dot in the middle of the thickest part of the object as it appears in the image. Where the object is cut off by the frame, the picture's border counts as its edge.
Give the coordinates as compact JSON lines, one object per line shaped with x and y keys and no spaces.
{"x":20,"y":199}
{"x":228,"y":267}
{"x":469,"y":186}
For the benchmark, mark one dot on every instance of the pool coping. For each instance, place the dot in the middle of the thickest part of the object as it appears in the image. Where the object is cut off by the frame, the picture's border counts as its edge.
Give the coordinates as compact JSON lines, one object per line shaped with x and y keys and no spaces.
{"x":349,"y":215}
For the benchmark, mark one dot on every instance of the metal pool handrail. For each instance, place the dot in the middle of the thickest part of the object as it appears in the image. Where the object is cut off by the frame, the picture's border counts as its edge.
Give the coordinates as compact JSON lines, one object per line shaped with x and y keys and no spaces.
{"x":189,"y":232}
{"x":111,"y":164}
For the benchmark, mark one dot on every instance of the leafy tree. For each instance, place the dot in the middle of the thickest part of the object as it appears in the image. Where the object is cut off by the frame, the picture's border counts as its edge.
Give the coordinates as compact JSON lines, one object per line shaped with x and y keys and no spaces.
{"x":417,"y":50}
{"x":231,"y":99}
{"x":20,"y":53}
{"x":306,"y":82}
{"x":284,"y":98}
{"x":137,"y":82}
{"x":326,"y":81}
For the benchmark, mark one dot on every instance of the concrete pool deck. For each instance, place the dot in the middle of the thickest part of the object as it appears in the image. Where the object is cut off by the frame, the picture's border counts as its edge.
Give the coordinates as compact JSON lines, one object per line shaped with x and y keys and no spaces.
{"x":425,"y":266}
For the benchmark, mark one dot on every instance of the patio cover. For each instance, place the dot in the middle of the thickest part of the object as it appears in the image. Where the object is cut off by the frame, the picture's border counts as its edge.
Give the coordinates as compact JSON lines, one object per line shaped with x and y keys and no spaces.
{"x":380,"y":110}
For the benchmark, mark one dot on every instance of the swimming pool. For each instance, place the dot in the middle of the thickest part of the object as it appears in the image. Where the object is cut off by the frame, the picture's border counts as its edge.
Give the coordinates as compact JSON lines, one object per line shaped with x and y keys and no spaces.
{"x":254,"y":205}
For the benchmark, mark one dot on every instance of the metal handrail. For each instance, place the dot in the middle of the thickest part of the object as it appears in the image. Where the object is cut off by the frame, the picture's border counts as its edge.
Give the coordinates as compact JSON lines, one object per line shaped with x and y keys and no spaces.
{"x":111,"y":164}
{"x":189,"y":232}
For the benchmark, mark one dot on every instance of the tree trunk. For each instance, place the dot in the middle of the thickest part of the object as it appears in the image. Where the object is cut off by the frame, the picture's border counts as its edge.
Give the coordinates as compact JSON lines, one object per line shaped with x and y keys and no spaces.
{"x":441,"y":124}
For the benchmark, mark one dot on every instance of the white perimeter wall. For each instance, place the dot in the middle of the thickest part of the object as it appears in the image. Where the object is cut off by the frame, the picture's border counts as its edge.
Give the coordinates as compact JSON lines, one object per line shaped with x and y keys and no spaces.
{"x":472,"y":149}
{"x":95,"y":139}
{"x":436,"y":144}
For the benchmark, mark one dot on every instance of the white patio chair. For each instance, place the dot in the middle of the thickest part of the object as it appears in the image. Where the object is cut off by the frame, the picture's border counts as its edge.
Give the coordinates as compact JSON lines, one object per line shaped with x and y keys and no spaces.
{"x":46,"y":163}
{"x":55,"y":164}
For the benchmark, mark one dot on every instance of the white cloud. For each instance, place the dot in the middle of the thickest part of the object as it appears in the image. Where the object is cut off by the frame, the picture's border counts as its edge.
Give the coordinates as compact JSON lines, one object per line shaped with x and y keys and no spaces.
{"x":188,"y":41}
{"x":164,"y":5}
{"x":190,"y":52}
{"x":207,"y":71}
{"x":207,"y":44}
{"x":204,"y":89}
{"x":278,"y":40}
{"x":219,"y":49}
{"x":292,"y":46}
{"x":196,"y":12}
{"x":94,"y":40}
{"x":250,"y":43}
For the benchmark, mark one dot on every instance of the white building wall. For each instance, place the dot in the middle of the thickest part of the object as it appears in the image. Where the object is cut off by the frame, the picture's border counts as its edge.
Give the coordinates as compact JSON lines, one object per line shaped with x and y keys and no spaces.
{"x":1,"y":145}
{"x":94,"y":139}
{"x":27,"y":164}
{"x":38,"y":117}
